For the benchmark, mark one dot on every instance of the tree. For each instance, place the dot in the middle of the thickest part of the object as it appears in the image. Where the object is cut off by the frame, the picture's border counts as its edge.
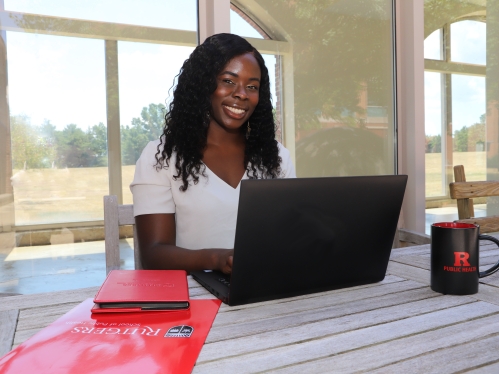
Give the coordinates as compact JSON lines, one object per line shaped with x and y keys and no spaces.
{"x":48,"y":131}
{"x":98,"y":144}
{"x":433,"y":143}
{"x":466,"y":139}
{"x":77,"y":148}
{"x":30,"y":147}
{"x":73,"y":147}
{"x":461,"y":140}
{"x":142,"y":130}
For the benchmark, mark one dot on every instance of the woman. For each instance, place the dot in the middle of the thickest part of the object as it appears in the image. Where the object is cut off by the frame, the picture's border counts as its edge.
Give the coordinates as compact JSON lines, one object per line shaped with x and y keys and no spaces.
{"x":219,"y":130}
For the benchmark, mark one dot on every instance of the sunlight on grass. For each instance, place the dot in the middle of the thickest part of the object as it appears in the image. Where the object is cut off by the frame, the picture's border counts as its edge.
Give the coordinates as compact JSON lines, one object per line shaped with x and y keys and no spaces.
{"x":75,"y":195}
{"x":64,"y":195}
{"x":474,"y":166}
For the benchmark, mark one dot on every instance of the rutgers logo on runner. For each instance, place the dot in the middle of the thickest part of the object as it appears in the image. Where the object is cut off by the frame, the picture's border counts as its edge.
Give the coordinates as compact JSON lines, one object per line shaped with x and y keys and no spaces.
{"x":182,"y":331}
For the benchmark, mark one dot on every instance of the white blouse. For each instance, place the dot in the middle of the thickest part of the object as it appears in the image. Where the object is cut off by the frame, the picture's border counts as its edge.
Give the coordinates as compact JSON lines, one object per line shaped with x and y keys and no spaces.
{"x":205,"y":214}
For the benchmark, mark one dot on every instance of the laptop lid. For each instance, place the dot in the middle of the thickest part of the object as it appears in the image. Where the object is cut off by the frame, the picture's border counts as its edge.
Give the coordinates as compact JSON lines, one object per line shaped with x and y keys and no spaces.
{"x":305,"y":235}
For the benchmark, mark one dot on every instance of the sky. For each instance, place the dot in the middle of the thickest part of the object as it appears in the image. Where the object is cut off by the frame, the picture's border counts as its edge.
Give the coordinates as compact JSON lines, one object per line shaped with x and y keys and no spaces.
{"x":62,"y":79}
{"x":468,"y":45}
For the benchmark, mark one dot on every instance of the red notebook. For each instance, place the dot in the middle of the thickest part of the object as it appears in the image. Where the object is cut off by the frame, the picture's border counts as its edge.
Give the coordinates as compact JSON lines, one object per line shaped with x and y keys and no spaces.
{"x":82,"y":342}
{"x":142,"y":290}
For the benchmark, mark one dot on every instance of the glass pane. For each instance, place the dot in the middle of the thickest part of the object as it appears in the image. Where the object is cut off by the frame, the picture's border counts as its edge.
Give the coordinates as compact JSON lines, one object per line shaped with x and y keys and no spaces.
{"x":171,"y":14}
{"x":433,"y":129}
{"x":337,"y":88}
{"x":146,"y":79}
{"x":468,"y":114}
{"x":242,"y":25}
{"x":433,"y":45}
{"x":53,"y":127}
{"x":469,"y":100}
{"x":58,"y":115}
{"x":468,"y":42}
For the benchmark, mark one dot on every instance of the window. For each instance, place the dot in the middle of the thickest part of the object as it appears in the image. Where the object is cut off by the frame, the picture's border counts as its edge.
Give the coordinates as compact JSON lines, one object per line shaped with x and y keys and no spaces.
{"x":460,"y":100}
{"x":78,"y":75}
{"x":89,"y":81}
{"x":334,"y":82}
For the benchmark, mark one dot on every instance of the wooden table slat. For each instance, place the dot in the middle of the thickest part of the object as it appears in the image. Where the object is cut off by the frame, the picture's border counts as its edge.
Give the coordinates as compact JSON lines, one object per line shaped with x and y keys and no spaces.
{"x":270,"y":322}
{"x":316,"y":348}
{"x":47,"y":298}
{"x":278,"y":333}
{"x":8,"y":324}
{"x":378,"y":356}
{"x":492,"y":368}
{"x":30,"y":319}
{"x":461,"y":357}
{"x":313,"y":301}
{"x":409,"y":272}
{"x":389,"y":279}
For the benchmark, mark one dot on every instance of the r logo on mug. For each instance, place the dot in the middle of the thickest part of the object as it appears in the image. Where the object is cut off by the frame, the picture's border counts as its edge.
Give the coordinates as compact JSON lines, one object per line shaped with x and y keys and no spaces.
{"x":454,"y":258}
{"x":461,"y":258}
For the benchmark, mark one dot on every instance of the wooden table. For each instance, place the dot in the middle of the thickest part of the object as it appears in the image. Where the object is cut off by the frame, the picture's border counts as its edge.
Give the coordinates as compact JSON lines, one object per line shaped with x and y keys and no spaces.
{"x":395,"y":326}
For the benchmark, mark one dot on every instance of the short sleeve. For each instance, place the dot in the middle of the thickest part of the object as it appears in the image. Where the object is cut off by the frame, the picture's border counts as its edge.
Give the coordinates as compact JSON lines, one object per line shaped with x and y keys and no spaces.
{"x":151,"y":187}
{"x":287,"y":167}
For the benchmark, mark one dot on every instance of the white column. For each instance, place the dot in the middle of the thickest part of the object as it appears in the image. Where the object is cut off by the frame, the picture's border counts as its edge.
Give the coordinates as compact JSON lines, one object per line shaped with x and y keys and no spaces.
{"x":7,"y":218}
{"x":492,"y":84}
{"x":410,"y":109}
{"x":213,"y":18}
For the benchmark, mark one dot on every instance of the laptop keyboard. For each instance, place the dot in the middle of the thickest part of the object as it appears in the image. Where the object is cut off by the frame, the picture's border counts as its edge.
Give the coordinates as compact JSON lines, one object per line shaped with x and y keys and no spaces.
{"x":225,"y":279}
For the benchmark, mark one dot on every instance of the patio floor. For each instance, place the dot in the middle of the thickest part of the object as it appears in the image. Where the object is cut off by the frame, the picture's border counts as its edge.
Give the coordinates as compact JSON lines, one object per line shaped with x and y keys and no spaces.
{"x":29,"y":270}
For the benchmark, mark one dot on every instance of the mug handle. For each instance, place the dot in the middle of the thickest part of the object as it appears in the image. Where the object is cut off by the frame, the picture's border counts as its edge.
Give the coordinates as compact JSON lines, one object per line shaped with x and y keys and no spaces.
{"x":494,"y":268}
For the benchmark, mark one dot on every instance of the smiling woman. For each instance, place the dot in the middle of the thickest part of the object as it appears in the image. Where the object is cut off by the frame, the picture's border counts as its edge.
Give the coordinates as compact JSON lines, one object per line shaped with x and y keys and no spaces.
{"x":237,"y":93}
{"x":219,"y":130}
{"x":232,"y":104}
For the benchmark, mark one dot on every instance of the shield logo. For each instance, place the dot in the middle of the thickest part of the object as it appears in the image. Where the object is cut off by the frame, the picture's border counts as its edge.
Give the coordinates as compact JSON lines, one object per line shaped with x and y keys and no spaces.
{"x":182,"y":331}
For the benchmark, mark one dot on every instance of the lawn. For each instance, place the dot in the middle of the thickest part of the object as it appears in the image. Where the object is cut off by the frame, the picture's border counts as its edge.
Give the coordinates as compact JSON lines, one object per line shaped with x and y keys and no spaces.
{"x":73,"y":195}
{"x":64,"y":195}
{"x":474,"y":166}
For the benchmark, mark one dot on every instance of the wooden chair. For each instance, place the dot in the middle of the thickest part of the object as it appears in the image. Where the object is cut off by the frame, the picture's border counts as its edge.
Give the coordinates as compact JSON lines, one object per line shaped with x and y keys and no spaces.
{"x":464,"y":192}
{"x":115,"y":216}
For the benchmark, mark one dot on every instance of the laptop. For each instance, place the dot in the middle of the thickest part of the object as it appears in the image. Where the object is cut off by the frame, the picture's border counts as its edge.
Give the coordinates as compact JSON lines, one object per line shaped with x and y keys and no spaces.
{"x":307,"y":235}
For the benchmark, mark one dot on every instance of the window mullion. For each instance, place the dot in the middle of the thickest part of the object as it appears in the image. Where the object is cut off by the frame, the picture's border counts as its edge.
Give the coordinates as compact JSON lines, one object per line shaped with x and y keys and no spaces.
{"x":113,"y":120}
{"x":213,"y":18}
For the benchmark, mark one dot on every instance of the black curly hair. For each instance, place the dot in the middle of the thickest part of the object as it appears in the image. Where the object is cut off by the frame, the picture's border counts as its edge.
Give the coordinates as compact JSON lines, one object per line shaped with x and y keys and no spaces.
{"x":186,"y":122}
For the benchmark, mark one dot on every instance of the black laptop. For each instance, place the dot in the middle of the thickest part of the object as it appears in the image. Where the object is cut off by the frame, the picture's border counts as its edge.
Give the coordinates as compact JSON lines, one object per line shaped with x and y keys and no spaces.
{"x":305,"y":235}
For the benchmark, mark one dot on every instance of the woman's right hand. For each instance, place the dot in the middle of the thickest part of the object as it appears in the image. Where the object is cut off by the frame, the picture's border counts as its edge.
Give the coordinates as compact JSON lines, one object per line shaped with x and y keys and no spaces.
{"x":223,"y":260}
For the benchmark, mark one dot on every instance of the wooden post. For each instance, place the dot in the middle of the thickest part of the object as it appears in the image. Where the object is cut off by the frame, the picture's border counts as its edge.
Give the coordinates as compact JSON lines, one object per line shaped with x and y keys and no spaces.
{"x":465,"y":207}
